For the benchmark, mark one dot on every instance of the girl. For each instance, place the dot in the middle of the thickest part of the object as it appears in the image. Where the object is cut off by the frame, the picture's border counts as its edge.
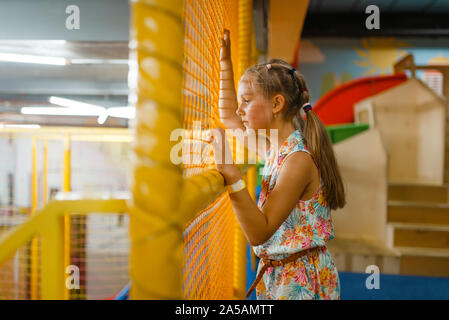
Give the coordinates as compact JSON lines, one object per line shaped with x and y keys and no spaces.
{"x":291,"y":224}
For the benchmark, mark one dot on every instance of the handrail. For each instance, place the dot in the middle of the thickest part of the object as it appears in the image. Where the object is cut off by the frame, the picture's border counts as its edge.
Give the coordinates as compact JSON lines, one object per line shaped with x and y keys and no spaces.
{"x":198,"y":191}
{"x":48,"y":223}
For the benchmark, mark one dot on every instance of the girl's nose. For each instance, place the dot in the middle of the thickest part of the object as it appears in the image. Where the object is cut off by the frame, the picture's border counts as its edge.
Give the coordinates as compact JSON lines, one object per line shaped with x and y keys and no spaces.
{"x":239,"y":110}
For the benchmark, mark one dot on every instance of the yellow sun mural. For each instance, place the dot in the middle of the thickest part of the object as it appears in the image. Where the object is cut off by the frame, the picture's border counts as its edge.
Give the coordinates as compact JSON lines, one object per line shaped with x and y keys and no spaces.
{"x":438,"y":60}
{"x":378,"y":54}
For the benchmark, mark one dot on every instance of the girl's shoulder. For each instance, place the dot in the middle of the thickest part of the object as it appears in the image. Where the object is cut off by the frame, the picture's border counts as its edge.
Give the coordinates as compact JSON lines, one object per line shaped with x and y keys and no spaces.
{"x":294,"y":143}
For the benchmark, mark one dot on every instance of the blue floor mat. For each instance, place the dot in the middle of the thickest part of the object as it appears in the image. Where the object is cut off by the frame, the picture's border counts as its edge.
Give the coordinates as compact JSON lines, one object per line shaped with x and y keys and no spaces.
{"x":391,"y":287}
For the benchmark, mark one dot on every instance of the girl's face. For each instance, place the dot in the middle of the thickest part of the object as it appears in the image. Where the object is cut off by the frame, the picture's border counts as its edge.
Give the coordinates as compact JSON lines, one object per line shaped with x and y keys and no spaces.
{"x":254,"y":110}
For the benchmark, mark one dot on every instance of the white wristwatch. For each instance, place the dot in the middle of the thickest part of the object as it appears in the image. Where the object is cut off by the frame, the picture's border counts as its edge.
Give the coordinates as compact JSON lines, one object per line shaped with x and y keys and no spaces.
{"x":236,"y":186}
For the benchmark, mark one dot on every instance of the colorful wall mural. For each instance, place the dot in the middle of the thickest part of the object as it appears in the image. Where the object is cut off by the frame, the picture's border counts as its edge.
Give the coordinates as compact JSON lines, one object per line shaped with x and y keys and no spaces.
{"x":329,"y":62}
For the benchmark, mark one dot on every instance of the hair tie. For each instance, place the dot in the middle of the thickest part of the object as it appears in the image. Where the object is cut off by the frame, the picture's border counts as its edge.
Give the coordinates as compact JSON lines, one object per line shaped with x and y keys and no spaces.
{"x":292,"y":71}
{"x":306,"y":107}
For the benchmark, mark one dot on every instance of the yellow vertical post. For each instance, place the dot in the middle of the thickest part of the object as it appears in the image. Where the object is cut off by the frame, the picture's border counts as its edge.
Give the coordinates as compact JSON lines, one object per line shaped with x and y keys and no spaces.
{"x":45,"y":174}
{"x":155,"y":83}
{"x":245,"y":12}
{"x":251,"y":177}
{"x":53,"y":284}
{"x":34,"y":250}
{"x":252,"y":181}
{"x":66,"y":219}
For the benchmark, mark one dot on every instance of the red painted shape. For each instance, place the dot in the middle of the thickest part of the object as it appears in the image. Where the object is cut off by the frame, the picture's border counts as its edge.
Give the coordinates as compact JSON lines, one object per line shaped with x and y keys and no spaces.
{"x":337,"y":106}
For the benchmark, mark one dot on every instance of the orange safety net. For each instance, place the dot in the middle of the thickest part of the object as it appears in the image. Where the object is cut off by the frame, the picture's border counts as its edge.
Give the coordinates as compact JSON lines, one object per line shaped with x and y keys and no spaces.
{"x":98,"y":244}
{"x":99,"y":249}
{"x":208,"y":253}
{"x":204,"y":23}
{"x":209,"y":239}
{"x":19,"y":275}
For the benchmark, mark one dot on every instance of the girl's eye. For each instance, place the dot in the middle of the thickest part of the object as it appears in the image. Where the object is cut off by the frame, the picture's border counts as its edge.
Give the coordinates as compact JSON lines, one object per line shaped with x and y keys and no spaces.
{"x":246,"y":100}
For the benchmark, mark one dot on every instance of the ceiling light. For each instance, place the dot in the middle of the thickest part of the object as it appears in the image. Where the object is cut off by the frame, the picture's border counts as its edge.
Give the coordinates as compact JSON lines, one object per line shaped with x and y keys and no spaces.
{"x":23,"y":58}
{"x":98,"y":61}
{"x":75,"y":104}
{"x":122,"y":112}
{"x":57,"y":111}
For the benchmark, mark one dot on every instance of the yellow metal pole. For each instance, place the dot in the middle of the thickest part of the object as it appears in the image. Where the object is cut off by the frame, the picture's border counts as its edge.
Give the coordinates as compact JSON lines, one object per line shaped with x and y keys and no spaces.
{"x":45,"y":173}
{"x":251,"y":177}
{"x":245,"y":11}
{"x":34,"y":250}
{"x":53,"y":284}
{"x":155,"y":82}
{"x":66,"y":219}
{"x":49,"y":223}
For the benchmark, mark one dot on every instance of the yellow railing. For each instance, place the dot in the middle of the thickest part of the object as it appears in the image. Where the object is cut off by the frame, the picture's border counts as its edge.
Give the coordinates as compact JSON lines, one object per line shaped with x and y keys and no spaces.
{"x":48,"y":223}
{"x":67,"y":135}
{"x":198,"y":191}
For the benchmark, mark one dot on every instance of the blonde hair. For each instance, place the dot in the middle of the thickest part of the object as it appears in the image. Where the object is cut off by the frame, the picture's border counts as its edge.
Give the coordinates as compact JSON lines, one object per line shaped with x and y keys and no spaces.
{"x":278,"y":77}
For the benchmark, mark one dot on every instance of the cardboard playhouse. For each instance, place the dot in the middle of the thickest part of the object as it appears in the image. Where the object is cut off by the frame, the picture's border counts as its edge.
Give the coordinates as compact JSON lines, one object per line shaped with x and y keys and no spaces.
{"x":404,"y":145}
{"x":411,"y":119}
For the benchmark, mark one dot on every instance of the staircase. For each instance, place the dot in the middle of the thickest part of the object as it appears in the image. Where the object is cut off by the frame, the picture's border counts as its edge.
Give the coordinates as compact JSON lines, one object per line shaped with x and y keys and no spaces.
{"x":418,"y":228}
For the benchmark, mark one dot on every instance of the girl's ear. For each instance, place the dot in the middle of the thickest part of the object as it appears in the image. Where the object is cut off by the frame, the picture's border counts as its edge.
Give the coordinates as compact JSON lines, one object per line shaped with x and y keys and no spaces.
{"x":278,"y":103}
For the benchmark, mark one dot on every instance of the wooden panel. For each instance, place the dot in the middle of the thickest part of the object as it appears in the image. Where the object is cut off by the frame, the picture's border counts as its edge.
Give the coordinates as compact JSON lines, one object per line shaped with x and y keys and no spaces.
{"x":411,"y":119}
{"x":438,"y":215}
{"x":421,"y":238}
{"x":286,"y":19}
{"x":425,"y":266}
{"x":362,"y":161}
{"x":431,"y":134}
{"x":355,"y":254}
{"x":416,"y":193}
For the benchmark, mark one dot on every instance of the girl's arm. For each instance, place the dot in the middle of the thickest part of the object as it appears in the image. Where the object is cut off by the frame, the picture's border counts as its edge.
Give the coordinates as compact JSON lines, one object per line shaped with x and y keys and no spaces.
{"x":295,"y":175}
{"x":227,"y":103}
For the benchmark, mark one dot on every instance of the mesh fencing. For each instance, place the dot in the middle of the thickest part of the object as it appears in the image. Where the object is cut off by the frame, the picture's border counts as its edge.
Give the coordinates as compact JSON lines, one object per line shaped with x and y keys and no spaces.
{"x":209,"y":239}
{"x":97,"y":245}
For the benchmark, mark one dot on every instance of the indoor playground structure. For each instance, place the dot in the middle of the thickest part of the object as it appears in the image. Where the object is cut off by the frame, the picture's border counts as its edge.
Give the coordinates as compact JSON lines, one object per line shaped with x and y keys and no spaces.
{"x":131,"y":223}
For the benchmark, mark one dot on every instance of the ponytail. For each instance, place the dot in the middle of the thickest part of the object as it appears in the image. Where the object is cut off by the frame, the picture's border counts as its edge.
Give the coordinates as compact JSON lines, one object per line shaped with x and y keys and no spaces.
{"x":319,"y":144}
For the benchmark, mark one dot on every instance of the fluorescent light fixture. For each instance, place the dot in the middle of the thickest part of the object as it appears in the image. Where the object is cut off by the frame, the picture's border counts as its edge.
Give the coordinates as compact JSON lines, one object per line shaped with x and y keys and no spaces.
{"x":57,"y":111}
{"x":102,"y":114}
{"x":99,"y":61}
{"x":77,"y":108}
{"x":122,"y":112}
{"x":69,"y":103}
{"x":117,"y":112}
{"x":25,"y":126}
{"x":23,"y":58}
{"x":102,"y":117}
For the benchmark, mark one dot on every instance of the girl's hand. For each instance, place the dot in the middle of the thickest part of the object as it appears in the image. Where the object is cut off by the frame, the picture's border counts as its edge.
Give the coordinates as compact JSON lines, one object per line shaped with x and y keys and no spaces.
{"x":223,"y":156}
{"x":225,"y":50}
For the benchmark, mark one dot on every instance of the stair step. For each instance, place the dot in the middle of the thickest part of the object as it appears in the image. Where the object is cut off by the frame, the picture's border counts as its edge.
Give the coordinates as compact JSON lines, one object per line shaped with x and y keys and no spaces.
{"x":356,"y":254}
{"x":418,"y":212}
{"x":424,"y":261}
{"x":420,"y":235}
{"x":418,"y":193}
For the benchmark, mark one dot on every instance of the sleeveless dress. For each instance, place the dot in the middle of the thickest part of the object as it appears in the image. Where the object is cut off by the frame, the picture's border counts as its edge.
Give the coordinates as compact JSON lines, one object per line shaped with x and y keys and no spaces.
{"x":314,"y":275}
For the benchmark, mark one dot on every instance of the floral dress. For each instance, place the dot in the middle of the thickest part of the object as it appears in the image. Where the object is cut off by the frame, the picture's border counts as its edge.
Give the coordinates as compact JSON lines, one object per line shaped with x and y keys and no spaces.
{"x":314,"y":275}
